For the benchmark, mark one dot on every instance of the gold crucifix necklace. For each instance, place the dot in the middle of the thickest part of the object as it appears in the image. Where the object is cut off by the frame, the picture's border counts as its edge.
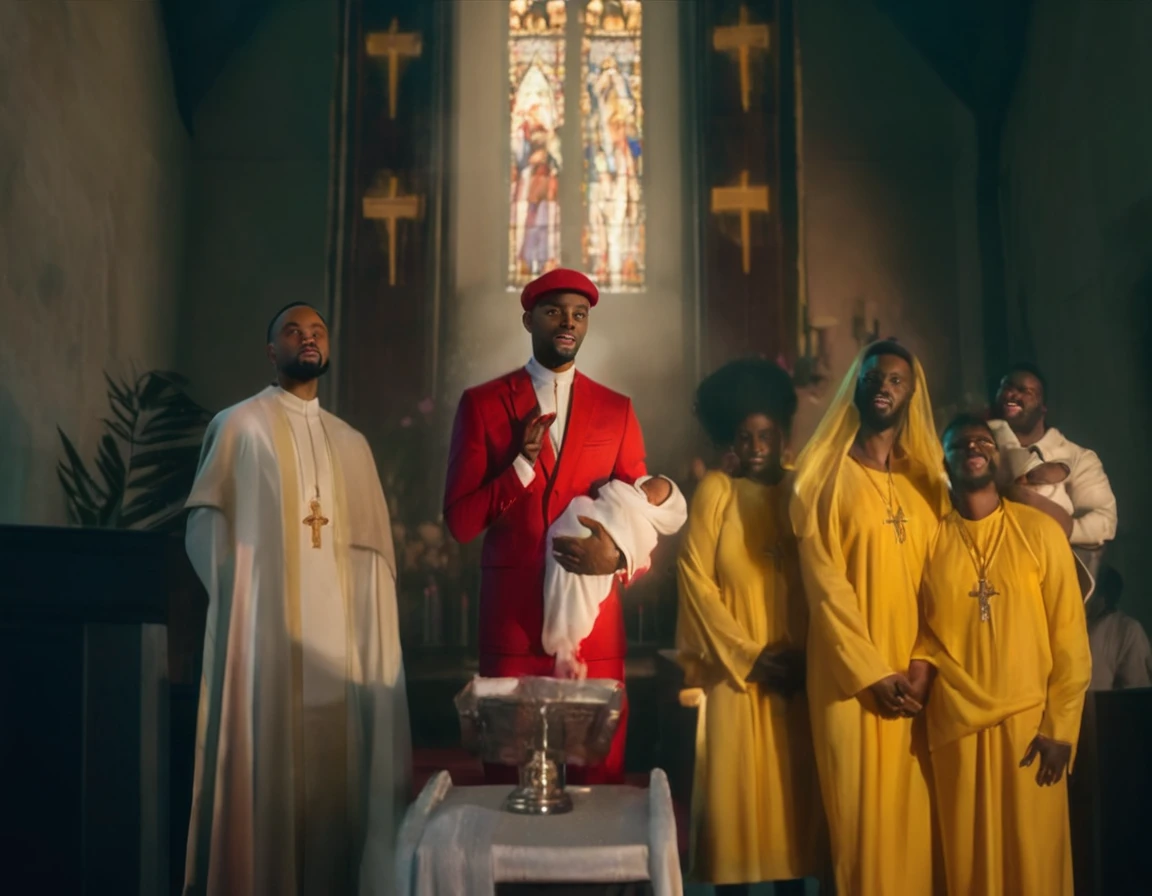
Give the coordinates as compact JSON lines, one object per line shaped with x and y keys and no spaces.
{"x":983,"y":590}
{"x":896,"y":518}
{"x":315,"y":519}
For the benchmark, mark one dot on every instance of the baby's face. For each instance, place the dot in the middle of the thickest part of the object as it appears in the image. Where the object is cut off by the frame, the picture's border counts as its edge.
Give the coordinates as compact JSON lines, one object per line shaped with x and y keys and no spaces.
{"x":657,"y":489}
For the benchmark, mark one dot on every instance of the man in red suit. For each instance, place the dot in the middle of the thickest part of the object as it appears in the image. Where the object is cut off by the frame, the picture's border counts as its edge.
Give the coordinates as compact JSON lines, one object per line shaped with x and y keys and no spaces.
{"x":523,"y":446}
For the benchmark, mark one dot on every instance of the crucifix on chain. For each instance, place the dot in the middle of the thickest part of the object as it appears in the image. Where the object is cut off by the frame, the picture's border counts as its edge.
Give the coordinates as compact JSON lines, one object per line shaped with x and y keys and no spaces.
{"x":896,"y":521}
{"x":315,"y":520}
{"x":984,"y":592}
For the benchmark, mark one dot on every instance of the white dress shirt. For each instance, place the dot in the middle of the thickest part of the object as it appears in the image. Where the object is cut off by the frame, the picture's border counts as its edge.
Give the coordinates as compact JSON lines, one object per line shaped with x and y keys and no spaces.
{"x":1094,"y":505}
{"x":321,"y":602}
{"x":553,"y":396}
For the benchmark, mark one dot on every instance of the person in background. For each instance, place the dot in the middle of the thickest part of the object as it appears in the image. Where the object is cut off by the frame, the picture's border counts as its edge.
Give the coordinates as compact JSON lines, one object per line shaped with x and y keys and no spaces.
{"x":869,"y":494}
{"x":740,"y":636}
{"x":1121,"y":655}
{"x":1002,"y":665}
{"x":1063,"y":479}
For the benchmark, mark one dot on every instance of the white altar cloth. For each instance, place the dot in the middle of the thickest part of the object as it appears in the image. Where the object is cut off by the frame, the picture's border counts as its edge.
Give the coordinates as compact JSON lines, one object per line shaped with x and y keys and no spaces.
{"x":457,"y":841}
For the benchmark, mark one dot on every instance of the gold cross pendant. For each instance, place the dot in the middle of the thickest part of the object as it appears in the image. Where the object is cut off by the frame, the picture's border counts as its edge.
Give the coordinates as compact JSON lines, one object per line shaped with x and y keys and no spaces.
{"x":896,"y":521}
{"x":315,"y":520}
{"x":984,"y":592}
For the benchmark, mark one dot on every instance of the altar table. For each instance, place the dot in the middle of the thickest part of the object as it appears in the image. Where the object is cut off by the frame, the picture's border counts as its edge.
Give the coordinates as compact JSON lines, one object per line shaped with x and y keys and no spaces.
{"x":458,"y":840}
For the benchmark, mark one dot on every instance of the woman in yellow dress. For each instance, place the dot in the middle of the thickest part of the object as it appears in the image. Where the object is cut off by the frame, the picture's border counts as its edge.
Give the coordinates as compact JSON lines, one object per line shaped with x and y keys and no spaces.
{"x":740,"y":636}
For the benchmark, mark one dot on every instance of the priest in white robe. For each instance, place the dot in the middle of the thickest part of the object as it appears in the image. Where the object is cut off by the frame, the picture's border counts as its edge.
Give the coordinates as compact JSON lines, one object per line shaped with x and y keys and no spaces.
{"x":303,"y":751}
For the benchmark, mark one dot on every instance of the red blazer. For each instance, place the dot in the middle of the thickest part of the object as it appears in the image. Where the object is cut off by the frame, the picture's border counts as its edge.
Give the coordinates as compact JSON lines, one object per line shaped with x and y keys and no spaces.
{"x":602,"y":441}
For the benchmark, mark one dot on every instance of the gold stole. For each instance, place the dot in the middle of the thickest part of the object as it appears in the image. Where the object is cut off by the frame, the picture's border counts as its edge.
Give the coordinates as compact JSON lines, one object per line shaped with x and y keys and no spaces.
{"x":290,"y":504}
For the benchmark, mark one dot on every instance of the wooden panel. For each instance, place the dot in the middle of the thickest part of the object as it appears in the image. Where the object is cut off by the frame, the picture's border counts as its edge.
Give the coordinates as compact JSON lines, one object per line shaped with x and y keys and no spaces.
{"x":1110,"y":791}
{"x":388,"y":332}
{"x":94,"y":575}
{"x":41,"y":758}
{"x":755,"y":311}
{"x":83,"y":710}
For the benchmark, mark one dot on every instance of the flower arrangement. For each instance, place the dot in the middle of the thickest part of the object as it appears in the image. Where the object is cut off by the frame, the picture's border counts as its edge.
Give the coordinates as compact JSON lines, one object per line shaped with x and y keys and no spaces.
{"x":431,"y":584}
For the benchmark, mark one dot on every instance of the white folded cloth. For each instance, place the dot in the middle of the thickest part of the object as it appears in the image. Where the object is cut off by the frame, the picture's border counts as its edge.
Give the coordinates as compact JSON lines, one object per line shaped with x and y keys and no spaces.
{"x":572,"y":601}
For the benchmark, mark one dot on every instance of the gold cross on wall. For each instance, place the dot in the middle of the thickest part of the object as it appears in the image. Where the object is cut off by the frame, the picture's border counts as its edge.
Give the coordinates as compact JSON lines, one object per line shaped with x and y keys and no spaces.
{"x":742,"y":200}
{"x":390,"y":209}
{"x":395,"y":45}
{"x":742,"y":39}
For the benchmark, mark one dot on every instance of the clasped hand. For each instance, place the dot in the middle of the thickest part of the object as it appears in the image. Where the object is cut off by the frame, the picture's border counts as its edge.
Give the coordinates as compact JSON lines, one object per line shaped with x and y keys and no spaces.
{"x":903,"y":696}
{"x":779,"y":670}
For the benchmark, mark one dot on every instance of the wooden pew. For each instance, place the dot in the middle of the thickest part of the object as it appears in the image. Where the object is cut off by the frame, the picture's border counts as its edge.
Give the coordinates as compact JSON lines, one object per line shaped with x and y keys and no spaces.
{"x":84,"y":710}
{"x":1110,"y":793}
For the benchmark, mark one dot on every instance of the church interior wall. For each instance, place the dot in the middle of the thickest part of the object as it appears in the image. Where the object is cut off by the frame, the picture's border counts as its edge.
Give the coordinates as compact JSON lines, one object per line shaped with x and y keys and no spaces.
{"x":259,"y":199}
{"x":889,"y":172}
{"x":93,"y":164}
{"x":1077,"y":211}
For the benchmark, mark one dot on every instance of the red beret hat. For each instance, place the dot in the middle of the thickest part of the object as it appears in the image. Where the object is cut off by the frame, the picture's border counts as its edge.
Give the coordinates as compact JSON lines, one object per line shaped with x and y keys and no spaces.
{"x":559,"y":280}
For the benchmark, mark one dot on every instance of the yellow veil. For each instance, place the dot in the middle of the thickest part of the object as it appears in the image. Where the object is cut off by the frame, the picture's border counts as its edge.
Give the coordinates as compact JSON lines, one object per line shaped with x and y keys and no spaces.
{"x":825,"y":452}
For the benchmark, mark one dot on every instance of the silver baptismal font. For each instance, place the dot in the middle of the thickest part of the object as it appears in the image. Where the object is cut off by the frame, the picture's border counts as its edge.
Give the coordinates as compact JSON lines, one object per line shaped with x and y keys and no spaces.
{"x":539,"y":725}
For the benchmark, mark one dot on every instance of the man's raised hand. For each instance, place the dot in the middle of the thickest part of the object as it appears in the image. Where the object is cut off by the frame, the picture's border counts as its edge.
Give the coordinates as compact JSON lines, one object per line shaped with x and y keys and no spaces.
{"x":534,"y":434}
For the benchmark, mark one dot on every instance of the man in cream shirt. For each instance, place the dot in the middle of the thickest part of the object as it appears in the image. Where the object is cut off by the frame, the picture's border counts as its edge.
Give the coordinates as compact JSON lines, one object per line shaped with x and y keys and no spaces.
{"x":1062,"y":478}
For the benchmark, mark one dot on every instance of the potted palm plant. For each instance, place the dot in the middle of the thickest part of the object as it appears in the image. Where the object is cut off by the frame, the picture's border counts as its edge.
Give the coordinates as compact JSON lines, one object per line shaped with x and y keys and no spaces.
{"x":146,"y":459}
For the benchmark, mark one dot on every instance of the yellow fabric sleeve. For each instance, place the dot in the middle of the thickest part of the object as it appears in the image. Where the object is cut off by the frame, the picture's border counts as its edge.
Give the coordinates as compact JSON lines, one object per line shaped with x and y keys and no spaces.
{"x":707,"y":634}
{"x":834,"y":607}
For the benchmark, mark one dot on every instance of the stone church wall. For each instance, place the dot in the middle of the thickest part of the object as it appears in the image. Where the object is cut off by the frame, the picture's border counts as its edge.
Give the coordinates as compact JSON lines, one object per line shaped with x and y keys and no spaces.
{"x":93,"y":159}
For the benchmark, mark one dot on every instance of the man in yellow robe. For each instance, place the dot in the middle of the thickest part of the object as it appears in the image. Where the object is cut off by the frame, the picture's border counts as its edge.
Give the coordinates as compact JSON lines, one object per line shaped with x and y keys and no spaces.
{"x":868,"y":496}
{"x":740,"y":635}
{"x":1005,"y":640}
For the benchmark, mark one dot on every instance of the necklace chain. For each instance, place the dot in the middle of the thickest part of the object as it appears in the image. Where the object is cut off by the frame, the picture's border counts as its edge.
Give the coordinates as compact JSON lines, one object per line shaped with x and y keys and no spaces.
{"x":984,"y":589}
{"x":891,"y":502}
{"x":312,"y":446}
{"x":315,"y":520}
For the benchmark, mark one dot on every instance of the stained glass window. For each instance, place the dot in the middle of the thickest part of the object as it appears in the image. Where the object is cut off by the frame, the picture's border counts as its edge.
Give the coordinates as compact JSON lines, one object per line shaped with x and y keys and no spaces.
{"x":609,"y":139}
{"x":536,"y":87}
{"x":612,"y":131}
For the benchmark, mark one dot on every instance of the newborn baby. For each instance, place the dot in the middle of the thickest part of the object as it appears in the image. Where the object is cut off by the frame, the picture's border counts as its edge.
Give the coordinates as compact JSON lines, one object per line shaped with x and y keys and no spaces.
{"x":634,"y":516}
{"x":1049,"y":480}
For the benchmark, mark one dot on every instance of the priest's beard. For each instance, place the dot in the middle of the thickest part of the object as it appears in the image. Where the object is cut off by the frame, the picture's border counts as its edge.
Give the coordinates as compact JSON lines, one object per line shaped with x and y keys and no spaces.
{"x":304,"y":371}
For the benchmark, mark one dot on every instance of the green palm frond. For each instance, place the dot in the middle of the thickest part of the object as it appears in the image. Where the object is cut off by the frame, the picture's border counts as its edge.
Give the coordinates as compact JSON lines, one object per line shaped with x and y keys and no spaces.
{"x":146,"y":460}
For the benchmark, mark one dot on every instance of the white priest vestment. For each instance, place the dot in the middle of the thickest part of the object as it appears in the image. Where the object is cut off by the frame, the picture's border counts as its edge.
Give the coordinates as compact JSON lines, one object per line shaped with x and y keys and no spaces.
{"x":303,"y":751}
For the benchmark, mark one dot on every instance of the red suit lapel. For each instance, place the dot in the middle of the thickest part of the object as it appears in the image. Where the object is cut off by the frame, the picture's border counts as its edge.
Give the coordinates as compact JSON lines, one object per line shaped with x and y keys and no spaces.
{"x":581,"y":413}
